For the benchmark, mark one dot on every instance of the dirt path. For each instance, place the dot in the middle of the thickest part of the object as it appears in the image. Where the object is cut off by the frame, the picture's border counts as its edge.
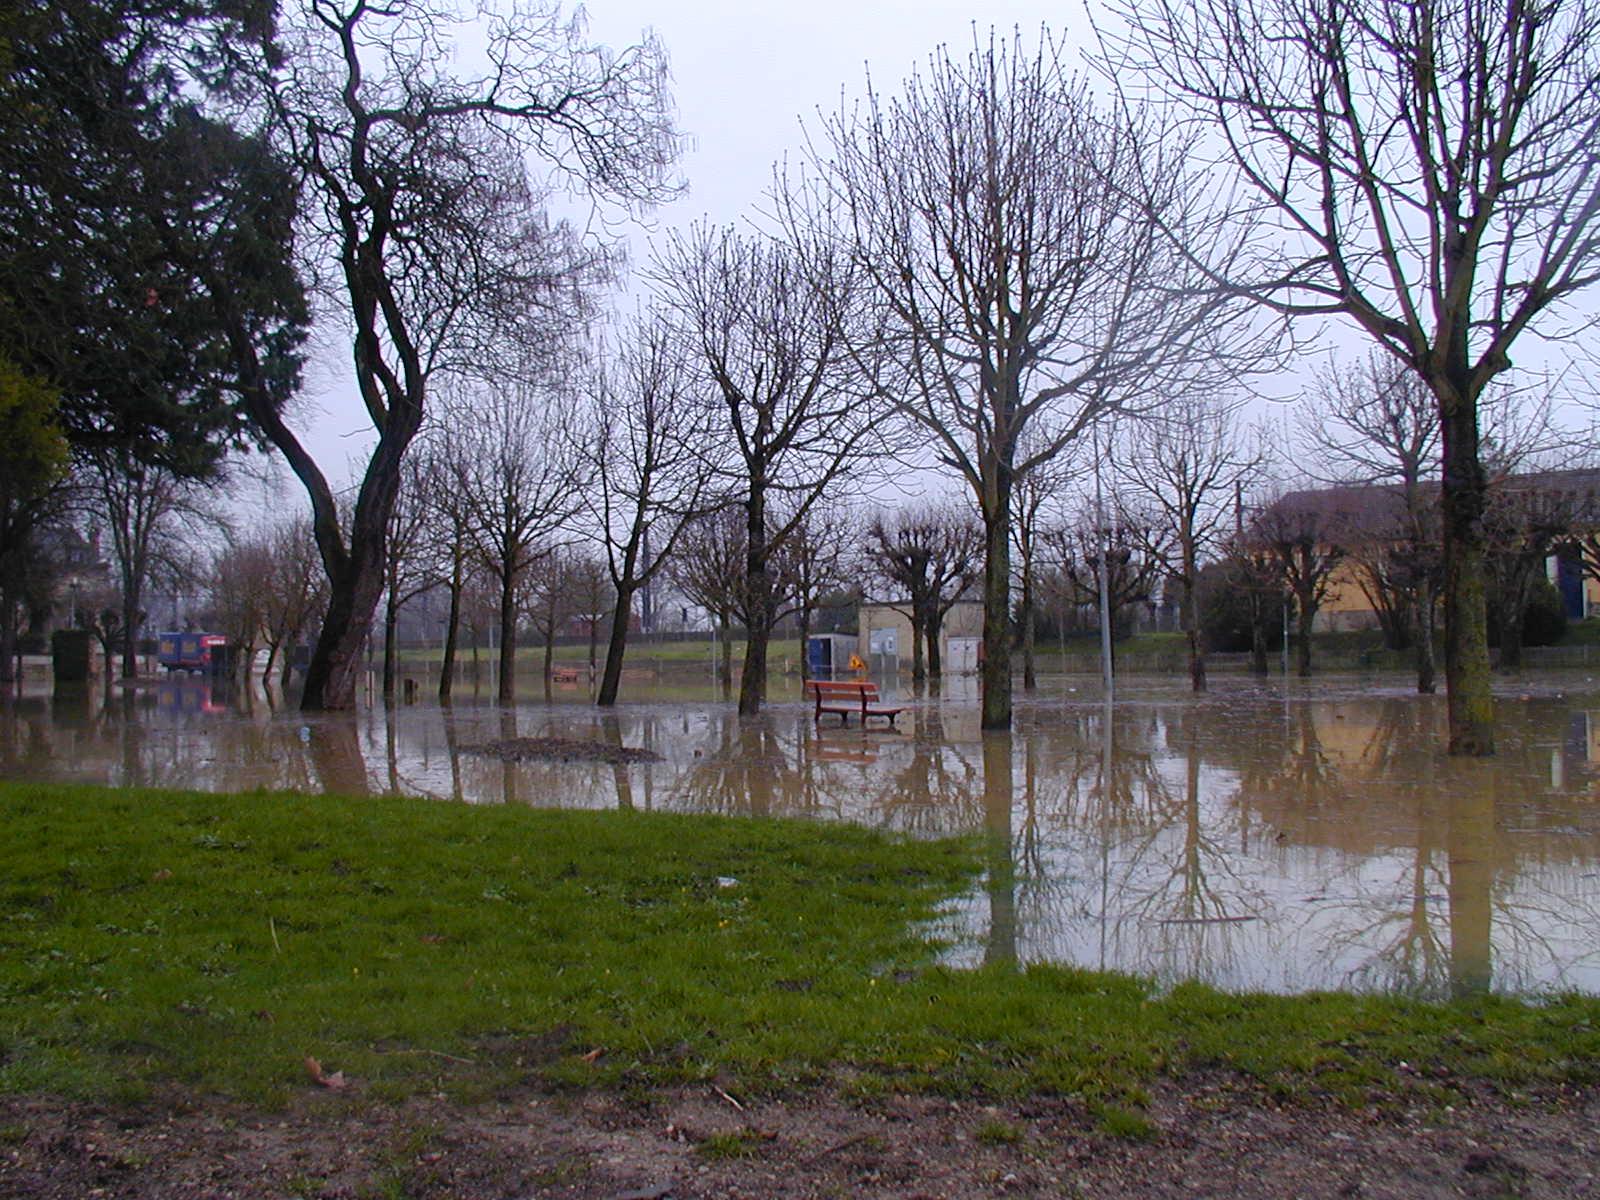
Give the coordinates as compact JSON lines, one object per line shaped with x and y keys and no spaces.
{"x":1207,"y":1140}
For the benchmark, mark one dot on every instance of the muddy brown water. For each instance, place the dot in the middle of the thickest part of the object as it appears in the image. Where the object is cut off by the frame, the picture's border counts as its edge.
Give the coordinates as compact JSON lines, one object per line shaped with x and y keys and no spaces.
{"x":1280,"y":835}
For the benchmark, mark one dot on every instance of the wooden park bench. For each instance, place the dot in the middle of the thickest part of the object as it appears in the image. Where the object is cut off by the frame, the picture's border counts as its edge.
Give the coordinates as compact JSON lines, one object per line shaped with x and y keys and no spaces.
{"x":847,"y":696}
{"x":564,"y":674}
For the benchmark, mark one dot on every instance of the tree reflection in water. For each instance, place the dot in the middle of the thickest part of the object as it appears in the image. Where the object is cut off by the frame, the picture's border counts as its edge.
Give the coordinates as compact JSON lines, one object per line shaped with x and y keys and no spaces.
{"x":1258,"y":838}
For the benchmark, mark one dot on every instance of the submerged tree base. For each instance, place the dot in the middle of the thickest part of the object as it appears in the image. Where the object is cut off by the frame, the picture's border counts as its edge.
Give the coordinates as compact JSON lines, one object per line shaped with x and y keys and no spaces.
{"x":553,"y":749}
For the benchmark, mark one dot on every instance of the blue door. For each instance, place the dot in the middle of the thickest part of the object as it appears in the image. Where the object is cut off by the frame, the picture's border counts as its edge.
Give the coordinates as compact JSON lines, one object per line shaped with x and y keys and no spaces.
{"x":1569,"y":579}
{"x":819,"y":656}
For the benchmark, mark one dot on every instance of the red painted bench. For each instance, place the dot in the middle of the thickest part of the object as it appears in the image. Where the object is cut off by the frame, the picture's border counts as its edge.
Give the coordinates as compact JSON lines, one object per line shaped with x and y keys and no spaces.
{"x":849,"y":696}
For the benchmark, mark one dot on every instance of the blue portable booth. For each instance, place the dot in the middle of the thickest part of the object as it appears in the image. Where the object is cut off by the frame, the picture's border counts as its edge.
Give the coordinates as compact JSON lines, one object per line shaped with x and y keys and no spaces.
{"x":828,"y":654}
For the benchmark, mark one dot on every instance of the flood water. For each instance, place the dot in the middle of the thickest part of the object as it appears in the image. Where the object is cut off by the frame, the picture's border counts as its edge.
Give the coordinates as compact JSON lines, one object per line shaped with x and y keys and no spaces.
{"x":1279,"y":836}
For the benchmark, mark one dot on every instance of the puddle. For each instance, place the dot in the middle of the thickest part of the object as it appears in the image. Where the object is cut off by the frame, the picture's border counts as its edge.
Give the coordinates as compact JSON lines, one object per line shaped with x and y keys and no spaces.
{"x":1270,"y":836}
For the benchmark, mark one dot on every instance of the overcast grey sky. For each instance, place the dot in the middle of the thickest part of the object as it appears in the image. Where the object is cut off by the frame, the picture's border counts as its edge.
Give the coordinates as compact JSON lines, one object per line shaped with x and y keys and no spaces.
{"x":744,"y":76}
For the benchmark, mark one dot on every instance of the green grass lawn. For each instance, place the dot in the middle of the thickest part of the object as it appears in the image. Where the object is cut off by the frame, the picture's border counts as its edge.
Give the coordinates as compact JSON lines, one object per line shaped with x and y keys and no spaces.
{"x":152,"y":939}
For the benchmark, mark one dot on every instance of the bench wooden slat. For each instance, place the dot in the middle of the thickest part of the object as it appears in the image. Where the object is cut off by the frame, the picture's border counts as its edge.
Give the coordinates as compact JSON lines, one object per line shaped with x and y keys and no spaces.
{"x":861,"y":691}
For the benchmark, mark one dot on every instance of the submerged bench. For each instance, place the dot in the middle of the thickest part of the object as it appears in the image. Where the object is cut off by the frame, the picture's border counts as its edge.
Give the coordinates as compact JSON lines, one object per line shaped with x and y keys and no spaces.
{"x":847,"y":696}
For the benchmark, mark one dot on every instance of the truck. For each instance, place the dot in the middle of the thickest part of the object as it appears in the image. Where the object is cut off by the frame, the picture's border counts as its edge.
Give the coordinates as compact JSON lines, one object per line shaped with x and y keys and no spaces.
{"x":189,"y":651}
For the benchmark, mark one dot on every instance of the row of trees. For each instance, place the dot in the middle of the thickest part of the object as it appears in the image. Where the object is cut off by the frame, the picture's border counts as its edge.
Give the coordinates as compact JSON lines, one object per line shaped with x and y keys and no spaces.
{"x":994,"y":256}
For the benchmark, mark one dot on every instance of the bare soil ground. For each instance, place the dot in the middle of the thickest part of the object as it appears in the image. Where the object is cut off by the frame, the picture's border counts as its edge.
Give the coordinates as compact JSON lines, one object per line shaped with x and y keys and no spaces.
{"x":1211,"y":1137}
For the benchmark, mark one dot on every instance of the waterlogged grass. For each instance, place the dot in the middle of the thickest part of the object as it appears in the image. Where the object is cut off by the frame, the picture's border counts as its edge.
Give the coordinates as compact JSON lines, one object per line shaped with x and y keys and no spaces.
{"x":156,"y":939}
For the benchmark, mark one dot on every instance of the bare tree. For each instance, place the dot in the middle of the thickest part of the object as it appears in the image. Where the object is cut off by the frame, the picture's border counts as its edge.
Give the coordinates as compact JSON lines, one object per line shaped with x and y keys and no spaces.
{"x":409,"y":569}
{"x":149,"y":510}
{"x":241,"y":573}
{"x":708,"y":568}
{"x":590,"y":597}
{"x":514,"y":467}
{"x":1131,"y":558}
{"x":651,"y":454}
{"x":1376,"y":423}
{"x":545,"y":595}
{"x":1302,"y":533}
{"x":1039,"y":494}
{"x":767,"y":323}
{"x":1005,"y":225}
{"x":295,"y":592}
{"x":816,"y":562}
{"x":930,"y":554}
{"x":449,"y":539}
{"x":1178,"y":476}
{"x":421,"y":207}
{"x":1426,"y":171}
{"x":1529,"y":518}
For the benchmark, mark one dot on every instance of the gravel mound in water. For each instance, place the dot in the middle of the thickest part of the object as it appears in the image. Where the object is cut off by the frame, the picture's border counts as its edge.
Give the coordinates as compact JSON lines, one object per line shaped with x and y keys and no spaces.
{"x":551,"y":749}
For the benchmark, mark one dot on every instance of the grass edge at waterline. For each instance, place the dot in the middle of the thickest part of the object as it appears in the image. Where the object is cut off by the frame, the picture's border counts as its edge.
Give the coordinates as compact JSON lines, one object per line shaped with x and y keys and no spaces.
{"x":151,"y":939}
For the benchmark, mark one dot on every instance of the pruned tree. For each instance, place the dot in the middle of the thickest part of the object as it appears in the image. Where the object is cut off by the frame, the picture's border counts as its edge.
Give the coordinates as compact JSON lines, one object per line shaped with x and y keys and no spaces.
{"x":513,"y":464}
{"x":767,"y":322}
{"x":1302,"y":534}
{"x":1425,"y":171}
{"x":1179,"y":474}
{"x":1128,"y":554}
{"x":651,"y":453}
{"x":931,"y":554}
{"x":1009,"y":229}
{"x":423,"y":215}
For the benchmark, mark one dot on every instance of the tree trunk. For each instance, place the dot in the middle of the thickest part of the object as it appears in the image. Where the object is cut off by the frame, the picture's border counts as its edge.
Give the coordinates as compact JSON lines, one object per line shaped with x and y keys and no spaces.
{"x":131,"y":620}
{"x":1191,"y":609}
{"x":616,"y":646}
{"x":335,"y":666}
{"x":935,"y":657}
{"x":1030,"y":676}
{"x":725,"y":665}
{"x":805,"y":642}
{"x":507,"y":692}
{"x":996,"y":670}
{"x":391,"y":619}
{"x":1258,"y":642}
{"x":1195,"y":635}
{"x":758,"y":590}
{"x":1466,"y":632}
{"x":1513,"y":612}
{"x":1307,"y":617}
{"x":452,"y":627}
{"x":919,"y":637}
{"x":10,"y":671}
{"x":1425,"y":664}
